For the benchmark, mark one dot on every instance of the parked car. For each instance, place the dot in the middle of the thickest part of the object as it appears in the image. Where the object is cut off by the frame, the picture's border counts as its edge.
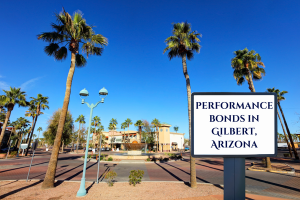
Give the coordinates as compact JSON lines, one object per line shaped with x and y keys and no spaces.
{"x":107,"y":149}
{"x":103,"y":149}
{"x":187,"y":148}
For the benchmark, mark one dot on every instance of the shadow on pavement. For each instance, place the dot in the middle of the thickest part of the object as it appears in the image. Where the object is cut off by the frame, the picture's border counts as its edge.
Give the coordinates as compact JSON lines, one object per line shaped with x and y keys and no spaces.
{"x":19,"y":190}
{"x":69,"y":178}
{"x":102,"y":176}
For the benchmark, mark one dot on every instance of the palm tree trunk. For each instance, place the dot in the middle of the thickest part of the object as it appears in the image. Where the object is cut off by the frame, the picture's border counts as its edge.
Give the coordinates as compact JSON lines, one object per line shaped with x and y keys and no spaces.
{"x":289,"y":133}
{"x":286,"y":139}
{"x":32,"y":131}
{"x":50,"y":175}
{"x":188,"y":88}
{"x":78,"y":138}
{"x":5,"y":124}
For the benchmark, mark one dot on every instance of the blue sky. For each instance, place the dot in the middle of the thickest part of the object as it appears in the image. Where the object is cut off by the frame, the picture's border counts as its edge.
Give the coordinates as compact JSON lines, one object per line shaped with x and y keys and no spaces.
{"x":142,"y":82}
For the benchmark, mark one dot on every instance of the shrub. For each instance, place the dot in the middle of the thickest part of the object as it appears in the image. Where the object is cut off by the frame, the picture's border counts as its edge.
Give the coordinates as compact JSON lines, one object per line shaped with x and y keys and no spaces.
{"x":166,"y":159}
{"x":110,"y":177}
{"x":110,"y":159}
{"x":13,"y":153}
{"x":148,"y":159}
{"x":135,"y":177}
{"x":89,"y":156}
{"x":179,"y":156}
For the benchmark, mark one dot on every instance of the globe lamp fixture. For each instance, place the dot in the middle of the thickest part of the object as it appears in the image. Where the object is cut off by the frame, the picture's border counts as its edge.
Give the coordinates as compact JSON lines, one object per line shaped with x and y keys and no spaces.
{"x":83,"y":95}
{"x":103,"y":93}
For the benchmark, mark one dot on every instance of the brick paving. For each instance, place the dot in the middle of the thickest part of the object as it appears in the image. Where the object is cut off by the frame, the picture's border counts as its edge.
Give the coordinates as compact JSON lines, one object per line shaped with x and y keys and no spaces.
{"x":208,"y":170}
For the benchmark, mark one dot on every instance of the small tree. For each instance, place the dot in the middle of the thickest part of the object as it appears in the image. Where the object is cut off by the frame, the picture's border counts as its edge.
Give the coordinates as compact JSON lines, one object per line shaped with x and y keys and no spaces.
{"x":135,"y":177}
{"x":110,"y":177}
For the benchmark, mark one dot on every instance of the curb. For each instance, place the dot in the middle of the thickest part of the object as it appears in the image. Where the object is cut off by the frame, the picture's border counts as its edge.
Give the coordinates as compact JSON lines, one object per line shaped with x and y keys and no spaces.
{"x":272,"y":171}
{"x":94,"y":160}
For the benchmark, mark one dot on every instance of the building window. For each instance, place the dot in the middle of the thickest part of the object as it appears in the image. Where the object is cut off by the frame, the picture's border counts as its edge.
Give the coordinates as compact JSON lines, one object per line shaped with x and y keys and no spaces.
{"x":167,"y":130}
{"x":161,"y":130}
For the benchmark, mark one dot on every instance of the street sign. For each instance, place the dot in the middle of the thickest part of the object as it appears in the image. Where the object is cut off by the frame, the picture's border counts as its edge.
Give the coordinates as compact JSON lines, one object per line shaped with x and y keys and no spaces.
{"x":234,"y":124}
{"x":24,"y":146}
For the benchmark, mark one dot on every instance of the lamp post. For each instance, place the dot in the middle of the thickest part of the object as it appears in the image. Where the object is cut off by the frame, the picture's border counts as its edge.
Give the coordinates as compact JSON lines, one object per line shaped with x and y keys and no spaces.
{"x":84,"y":94}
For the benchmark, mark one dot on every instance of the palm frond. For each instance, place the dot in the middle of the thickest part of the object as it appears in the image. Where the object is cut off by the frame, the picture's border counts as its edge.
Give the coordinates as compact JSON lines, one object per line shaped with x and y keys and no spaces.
{"x":51,"y":49}
{"x":50,"y":36}
{"x":61,"y":54}
{"x":80,"y":60}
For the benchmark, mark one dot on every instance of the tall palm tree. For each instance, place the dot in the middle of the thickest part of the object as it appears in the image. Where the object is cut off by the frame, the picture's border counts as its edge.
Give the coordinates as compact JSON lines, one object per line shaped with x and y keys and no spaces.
{"x":139,"y":123}
{"x":176,"y":128}
{"x":31,"y":112}
{"x":183,"y":43}
{"x":280,"y":97}
{"x":128,"y":122}
{"x":40,"y":103}
{"x":39,"y":130}
{"x":13,"y":96}
{"x":111,"y":127}
{"x":113,"y":123}
{"x":95,"y":121}
{"x":23,"y":123}
{"x":124,"y":126}
{"x":156,"y":123}
{"x":246,"y":65}
{"x":80,"y":120}
{"x":71,"y":31}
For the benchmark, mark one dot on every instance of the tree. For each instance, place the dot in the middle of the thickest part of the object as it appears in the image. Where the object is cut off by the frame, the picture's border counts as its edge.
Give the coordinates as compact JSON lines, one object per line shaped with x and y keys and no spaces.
{"x":183,"y":43}
{"x":139,"y":123}
{"x":40,"y":103}
{"x":22,"y":123}
{"x":246,"y":66}
{"x":50,"y":133}
{"x":156,"y":123}
{"x":13,"y":96}
{"x":39,"y":130}
{"x":176,"y":128}
{"x":128,"y":122}
{"x":124,"y":126}
{"x":95,"y":121}
{"x":187,"y":142}
{"x":112,"y":126}
{"x":71,"y":31}
{"x":31,"y":112}
{"x":148,"y":134}
{"x":80,"y":120}
{"x":280,"y":97}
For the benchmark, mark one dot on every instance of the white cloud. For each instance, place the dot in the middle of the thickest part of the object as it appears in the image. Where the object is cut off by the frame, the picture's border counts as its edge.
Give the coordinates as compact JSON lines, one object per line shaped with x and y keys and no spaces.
{"x":28,"y":83}
{"x":4,"y":85}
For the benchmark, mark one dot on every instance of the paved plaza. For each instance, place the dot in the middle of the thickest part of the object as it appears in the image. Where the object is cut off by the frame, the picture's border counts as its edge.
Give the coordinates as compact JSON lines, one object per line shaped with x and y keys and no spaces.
{"x":209,"y":170}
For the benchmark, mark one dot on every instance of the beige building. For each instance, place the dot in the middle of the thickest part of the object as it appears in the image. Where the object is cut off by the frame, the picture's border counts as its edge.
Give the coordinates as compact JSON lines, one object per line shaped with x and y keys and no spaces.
{"x":167,"y":141}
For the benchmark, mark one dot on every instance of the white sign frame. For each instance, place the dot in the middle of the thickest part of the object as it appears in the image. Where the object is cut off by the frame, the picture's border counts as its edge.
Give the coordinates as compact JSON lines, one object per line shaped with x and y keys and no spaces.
{"x":232,"y":155}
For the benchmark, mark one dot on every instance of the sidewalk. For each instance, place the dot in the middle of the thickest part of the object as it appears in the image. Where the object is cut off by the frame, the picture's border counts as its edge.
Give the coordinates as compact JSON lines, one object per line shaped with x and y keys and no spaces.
{"x":145,"y":190}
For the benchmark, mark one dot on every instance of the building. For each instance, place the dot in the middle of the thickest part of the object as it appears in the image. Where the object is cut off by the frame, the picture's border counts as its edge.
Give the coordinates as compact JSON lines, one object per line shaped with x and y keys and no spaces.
{"x":167,"y":141}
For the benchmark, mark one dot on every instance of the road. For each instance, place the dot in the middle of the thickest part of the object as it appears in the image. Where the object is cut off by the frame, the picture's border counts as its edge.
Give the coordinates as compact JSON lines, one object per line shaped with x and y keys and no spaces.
{"x":209,"y":170}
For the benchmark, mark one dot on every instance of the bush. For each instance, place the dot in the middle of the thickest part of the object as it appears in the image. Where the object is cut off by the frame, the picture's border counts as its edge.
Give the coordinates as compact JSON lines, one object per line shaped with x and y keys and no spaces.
{"x":148,"y":159}
{"x":135,"y":177}
{"x":110,"y":177}
{"x":166,"y":159}
{"x":13,"y":153}
{"x":179,"y":156}
{"x":110,"y":159}
{"x":89,"y":156}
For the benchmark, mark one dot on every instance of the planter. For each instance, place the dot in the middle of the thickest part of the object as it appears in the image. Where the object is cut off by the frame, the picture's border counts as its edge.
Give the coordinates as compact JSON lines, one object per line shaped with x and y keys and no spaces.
{"x":286,"y":155}
{"x":2,"y":155}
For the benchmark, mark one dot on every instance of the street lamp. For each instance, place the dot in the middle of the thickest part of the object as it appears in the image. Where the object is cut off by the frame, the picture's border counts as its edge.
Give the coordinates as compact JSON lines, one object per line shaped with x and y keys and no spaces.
{"x":83,"y":95}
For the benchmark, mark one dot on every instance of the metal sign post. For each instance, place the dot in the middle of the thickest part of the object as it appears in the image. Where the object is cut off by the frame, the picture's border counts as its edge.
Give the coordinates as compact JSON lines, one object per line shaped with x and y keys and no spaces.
{"x":234,"y":126}
{"x":34,"y":146}
{"x":8,"y":149}
{"x":99,"y":158}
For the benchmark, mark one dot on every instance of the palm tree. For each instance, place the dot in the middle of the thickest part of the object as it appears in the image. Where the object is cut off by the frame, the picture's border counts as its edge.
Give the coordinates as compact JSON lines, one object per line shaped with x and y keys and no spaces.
{"x":111,"y":127}
{"x":124,"y":126}
{"x":176,"y":128}
{"x":280,"y":97}
{"x":12,"y":97}
{"x":39,"y":130}
{"x":31,"y":112}
{"x":183,"y":43}
{"x":156,"y":123}
{"x":139,"y":123}
{"x":22,"y":124}
{"x":113,"y":124}
{"x":128,"y":122}
{"x":246,"y":66}
{"x":95,"y":121}
{"x":71,"y":31}
{"x":80,"y":120}
{"x":40,"y":103}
